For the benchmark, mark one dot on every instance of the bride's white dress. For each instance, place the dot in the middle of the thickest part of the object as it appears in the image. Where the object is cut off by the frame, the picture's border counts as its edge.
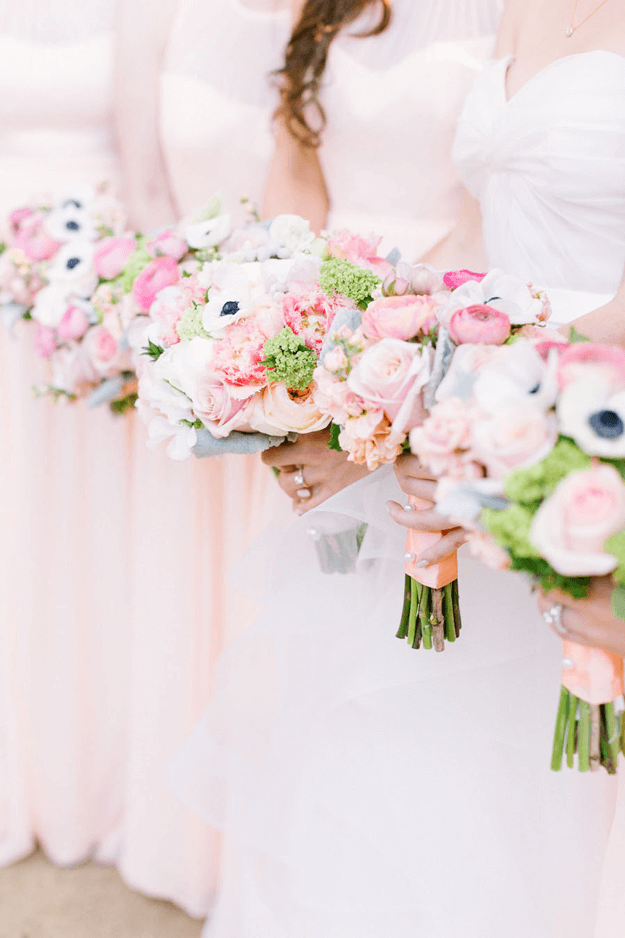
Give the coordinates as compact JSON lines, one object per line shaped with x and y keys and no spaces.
{"x":371,"y":791}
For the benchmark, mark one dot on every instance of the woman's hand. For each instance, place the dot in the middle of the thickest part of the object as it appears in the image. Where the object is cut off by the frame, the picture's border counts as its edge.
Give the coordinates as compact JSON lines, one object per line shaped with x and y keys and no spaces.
{"x":414,"y":480}
{"x":324,"y":471}
{"x":588,"y":621}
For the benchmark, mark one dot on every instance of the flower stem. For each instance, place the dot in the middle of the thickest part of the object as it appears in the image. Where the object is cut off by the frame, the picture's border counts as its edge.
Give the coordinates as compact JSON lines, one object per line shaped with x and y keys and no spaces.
{"x":571,"y":739}
{"x":561,"y":724}
{"x":584,"y":736}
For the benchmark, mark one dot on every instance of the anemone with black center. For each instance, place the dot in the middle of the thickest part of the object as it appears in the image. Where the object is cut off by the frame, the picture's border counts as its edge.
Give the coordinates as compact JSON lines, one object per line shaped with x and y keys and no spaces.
{"x":72,"y":226}
{"x":607,"y":424}
{"x":535,"y":389}
{"x":72,"y":262}
{"x":491,"y":299}
{"x":72,"y":202}
{"x":231,"y":308}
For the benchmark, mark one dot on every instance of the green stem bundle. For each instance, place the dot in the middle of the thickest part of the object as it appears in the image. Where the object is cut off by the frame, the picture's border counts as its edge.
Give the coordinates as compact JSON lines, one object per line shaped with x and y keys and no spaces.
{"x":429,"y":616}
{"x":595,"y":732}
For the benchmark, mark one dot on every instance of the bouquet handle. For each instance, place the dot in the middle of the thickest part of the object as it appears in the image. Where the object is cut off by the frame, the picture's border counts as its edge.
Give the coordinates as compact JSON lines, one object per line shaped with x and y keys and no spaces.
{"x":438,"y":575}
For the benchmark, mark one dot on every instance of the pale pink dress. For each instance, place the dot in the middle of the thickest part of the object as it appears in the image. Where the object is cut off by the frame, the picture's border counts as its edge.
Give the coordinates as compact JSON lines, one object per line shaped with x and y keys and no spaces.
{"x":113,"y":599}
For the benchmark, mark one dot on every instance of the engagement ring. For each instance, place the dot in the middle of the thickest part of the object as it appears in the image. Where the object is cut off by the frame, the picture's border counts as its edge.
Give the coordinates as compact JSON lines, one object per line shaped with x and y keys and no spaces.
{"x":299,"y":477}
{"x":554,"y":617}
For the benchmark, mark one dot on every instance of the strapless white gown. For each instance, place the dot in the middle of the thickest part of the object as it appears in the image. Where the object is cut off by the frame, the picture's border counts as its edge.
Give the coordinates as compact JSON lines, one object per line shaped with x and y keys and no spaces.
{"x":368,"y":790}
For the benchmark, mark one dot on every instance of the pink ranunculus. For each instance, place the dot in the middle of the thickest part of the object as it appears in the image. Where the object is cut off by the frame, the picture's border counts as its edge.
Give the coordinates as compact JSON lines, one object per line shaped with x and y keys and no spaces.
{"x":33,"y":239}
{"x":582,"y":359}
{"x":277,"y":411}
{"x":479,"y":324}
{"x":455,"y":278}
{"x":445,"y":432}
{"x":387,"y":372}
{"x":214,"y":404}
{"x":110,"y":256}
{"x":44,"y":340}
{"x":571,"y":527}
{"x":74,"y":323}
{"x":400,"y":317}
{"x":363,"y":252}
{"x":160,"y":273}
{"x":515,"y":436}
{"x":167,"y":244}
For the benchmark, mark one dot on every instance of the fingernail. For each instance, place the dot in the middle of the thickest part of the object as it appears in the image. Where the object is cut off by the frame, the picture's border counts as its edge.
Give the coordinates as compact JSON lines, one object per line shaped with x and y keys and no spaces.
{"x":299,"y":511}
{"x":423,"y":563}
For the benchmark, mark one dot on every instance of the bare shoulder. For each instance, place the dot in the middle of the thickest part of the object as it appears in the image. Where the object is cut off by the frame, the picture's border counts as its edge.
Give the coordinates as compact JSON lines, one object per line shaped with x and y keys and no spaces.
{"x":513,"y":14}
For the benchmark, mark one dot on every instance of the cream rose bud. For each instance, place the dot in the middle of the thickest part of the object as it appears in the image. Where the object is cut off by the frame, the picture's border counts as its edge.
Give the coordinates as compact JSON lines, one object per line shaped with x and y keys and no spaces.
{"x":387,"y":372}
{"x":512,"y":437}
{"x":276,"y":412}
{"x":571,"y":527}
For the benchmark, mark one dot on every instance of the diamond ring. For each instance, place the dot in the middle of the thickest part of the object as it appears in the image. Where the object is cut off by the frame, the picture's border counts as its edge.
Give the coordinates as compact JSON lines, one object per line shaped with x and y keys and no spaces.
{"x":554,"y":617}
{"x":299,"y":477}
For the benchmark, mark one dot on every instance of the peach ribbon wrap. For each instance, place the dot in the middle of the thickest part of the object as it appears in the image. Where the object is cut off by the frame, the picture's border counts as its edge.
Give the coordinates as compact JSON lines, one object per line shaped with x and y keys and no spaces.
{"x":439,"y":574}
{"x":596,"y":675}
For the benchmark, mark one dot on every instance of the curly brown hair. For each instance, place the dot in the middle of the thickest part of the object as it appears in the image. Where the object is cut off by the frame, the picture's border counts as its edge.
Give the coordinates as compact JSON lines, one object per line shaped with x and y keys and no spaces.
{"x":306,"y":57}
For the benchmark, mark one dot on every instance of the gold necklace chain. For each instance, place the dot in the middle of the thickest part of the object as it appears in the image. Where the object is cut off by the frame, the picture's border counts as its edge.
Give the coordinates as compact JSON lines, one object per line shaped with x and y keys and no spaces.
{"x":573,"y":29}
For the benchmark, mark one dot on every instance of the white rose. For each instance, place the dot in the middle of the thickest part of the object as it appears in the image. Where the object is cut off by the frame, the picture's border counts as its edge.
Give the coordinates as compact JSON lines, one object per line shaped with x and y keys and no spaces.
{"x":277,"y":412}
{"x":513,"y":437}
{"x":290,"y":232}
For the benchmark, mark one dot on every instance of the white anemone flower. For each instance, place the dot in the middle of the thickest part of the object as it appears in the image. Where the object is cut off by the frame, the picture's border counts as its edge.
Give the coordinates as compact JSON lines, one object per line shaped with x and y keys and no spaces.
{"x":69,"y":223}
{"x":517,"y":374}
{"x":233,"y":292}
{"x":73,"y":266}
{"x":209,"y":233}
{"x":508,"y":294}
{"x":594,"y":417}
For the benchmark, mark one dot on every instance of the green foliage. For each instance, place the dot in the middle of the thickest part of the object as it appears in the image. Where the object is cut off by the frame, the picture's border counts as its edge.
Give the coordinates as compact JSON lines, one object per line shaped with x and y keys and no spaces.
{"x":532,"y":485}
{"x":618,"y":602}
{"x":191,"y":325}
{"x":616,"y":546}
{"x":338,"y":276}
{"x":152,"y":350}
{"x":289,"y":360}
{"x":575,"y":336}
{"x":124,"y":403}
{"x":511,"y":527}
{"x":133,"y":267}
{"x":194,"y":424}
{"x":335,"y":431}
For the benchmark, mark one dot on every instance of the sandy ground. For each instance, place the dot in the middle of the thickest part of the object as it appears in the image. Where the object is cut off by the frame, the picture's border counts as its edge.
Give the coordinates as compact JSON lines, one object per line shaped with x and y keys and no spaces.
{"x":38,"y":900}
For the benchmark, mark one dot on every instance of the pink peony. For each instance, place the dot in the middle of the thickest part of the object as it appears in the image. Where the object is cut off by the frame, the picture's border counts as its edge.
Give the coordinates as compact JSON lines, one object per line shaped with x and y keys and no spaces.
{"x":515,"y":436}
{"x":400,"y":317}
{"x":455,"y":278}
{"x":363,"y":252}
{"x":44,"y":340}
{"x":110,"y":256}
{"x":238,"y":356}
{"x":73,"y":324}
{"x":479,"y":324}
{"x":583,"y":359}
{"x":571,"y":527}
{"x":31,"y":237}
{"x":167,"y":244}
{"x":160,"y":273}
{"x":386,"y":373}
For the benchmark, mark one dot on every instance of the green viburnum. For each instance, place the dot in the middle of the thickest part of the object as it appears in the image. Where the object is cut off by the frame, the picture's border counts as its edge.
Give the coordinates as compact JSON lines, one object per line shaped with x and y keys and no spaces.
{"x":342,"y":277}
{"x":535,"y":483}
{"x":191,"y":325}
{"x":616,"y":546}
{"x":289,"y":360}
{"x":133,"y":267}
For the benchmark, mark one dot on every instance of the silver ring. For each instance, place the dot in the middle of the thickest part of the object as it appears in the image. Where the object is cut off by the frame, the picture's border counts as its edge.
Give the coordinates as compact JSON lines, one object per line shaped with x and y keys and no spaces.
{"x":299,"y":478}
{"x":554,"y":617}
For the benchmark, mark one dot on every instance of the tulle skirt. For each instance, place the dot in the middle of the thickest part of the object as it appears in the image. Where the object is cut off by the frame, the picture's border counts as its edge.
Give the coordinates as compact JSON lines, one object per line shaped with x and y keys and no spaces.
{"x":365,"y":789}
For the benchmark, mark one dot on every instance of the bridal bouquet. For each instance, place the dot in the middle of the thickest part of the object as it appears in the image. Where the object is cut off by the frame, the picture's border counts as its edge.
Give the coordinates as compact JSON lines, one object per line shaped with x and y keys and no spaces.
{"x":377,"y":377}
{"x":232,"y":348}
{"x":530,"y":442}
{"x":86,"y":284}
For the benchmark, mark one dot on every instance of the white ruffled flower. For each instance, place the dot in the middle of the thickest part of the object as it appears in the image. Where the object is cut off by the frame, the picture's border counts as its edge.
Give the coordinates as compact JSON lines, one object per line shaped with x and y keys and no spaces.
{"x":289,"y":234}
{"x":593,"y":416}
{"x":508,"y":294}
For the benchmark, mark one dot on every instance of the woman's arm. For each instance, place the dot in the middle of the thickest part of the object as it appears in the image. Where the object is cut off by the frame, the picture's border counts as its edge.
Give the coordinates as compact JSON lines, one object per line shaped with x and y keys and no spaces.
{"x":142,"y":31}
{"x":295,"y":184}
{"x":606,"y":324}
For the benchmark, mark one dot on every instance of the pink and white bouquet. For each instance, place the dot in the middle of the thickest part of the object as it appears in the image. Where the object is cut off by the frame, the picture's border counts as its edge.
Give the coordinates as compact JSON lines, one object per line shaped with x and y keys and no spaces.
{"x":378,"y":379}
{"x":529,"y":441}
{"x":232,"y":348}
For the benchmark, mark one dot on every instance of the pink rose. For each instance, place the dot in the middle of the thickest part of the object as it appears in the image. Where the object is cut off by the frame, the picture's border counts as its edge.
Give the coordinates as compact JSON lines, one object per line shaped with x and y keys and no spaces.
{"x":160,"y":273}
{"x":400,"y":317}
{"x":217,"y":409}
{"x":571,"y":527}
{"x":512,"y":437}
{"x":334,"y":397}
{"x":276,"y":411}
{"x":44,"y":340}
{"x":73,"y":324}
{"x":479,"y":324}
{"x":583,"y":359}
{"x":443,"y":434}
{"x":31,"y":237}
{"x":103,"y":352}
{"x":386,"y":373}
{"x":167,"y":244}
{"x":455,"y":278}
{"x":110,"y":256}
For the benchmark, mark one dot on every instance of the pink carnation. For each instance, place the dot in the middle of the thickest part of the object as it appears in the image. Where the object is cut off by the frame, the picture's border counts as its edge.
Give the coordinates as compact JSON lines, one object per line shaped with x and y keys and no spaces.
{"x":363,"y":252}
{"x":167,"y":244}
{"x":159,"y":273}
{"x":110,"y":256}
{"x":455,"y":278}
{"x":239,"y":355}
